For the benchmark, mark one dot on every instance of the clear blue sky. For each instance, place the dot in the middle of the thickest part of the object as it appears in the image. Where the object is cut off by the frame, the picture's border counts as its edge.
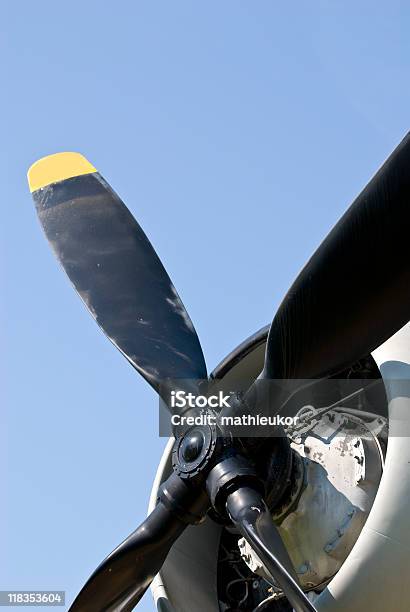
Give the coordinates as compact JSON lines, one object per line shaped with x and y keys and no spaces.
{"x":237,"y":133}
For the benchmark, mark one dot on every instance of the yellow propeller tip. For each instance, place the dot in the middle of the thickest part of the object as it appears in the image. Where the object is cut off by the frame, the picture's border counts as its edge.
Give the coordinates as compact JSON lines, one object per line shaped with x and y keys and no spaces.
{"x":57,"y":167}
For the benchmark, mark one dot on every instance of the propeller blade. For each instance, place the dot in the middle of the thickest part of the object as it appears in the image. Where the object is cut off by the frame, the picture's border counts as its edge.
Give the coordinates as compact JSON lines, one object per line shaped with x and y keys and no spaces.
{"x":114,"y":268}
{"x":249,"y":513}
{"x":121,"y":580}
{"x":354,"y":293}
{"x":124,"y":576}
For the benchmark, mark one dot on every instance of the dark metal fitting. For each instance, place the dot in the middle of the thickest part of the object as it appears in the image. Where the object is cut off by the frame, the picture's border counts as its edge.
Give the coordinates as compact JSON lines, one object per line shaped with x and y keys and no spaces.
{"x":190,"y":504}
{"x":189,"y":462}
{"x":197,"y":451}
{"x":227,"y":476}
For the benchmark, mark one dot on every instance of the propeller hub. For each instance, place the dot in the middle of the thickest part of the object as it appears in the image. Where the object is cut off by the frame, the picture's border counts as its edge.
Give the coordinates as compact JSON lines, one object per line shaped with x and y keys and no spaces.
{"x":196,"y":451}
{"x":192,"y":445}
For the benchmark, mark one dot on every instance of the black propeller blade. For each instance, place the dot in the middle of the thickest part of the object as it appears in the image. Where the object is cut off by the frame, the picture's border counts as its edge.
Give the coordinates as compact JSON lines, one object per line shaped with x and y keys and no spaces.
{"x":121,"y":580}
{"x":124,"y":576}
{"x":354,"y":293}
{"x":114,"y":269}
{"x":249,"y":513}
